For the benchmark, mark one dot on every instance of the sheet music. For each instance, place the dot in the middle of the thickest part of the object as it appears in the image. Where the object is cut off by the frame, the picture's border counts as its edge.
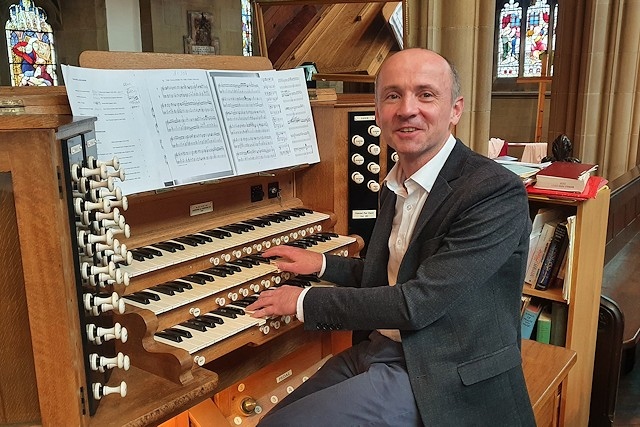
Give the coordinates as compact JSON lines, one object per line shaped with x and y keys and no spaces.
{"x":248,"y":121}
{"x":188,"y":124}
{"x":176,"y":126}
{"x":115,"y":99}
{"x":290,"y":101}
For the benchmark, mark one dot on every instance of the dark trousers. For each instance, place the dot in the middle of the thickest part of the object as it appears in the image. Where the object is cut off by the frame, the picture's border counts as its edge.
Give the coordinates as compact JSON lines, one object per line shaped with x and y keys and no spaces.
{"x":365,"y":385}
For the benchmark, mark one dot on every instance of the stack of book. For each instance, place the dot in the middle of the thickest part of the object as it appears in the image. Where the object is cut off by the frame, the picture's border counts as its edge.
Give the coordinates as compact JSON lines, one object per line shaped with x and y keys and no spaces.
{"x":550,"y":246}
{"x":543,"y":321}
{"x":567,"y":180}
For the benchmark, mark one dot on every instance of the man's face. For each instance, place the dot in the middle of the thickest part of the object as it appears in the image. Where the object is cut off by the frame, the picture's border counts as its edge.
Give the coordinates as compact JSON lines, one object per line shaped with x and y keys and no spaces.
{"x":414,"y":106}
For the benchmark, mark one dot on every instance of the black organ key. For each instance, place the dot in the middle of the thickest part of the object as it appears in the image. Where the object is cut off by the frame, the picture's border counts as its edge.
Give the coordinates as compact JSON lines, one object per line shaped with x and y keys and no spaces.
{"x":327,"y":234}
{"x":258,"y":258}
{"x":297,"y":282}
{"x":222,"y":311}
{"x":250,"y":298}
{"x":211,"y":323}
{"x":231,"y":268}
{"x":194,"y":325}
{"x":216,"y":271}
{"x":151,"y":250}
{"x":310,"y":242}
{"x":236,"y":310}
{"x":232,"y":229}
{"x":241,"y":263}
{"x":201,"y":238}
{"x":169,"y":336}
{"x":257,"y":222}
{"x":272,"y":218}
{"x":178,"y":285}
{"x":218,"y":234}
{"x":292,"y":212}
{"x":187,"y":241}
{"x":140,"y":256}
{"x":178,"y":331}
{"x":193,"y":279}
{"x":149,"y":295}
{"x":242,"y":302}
{"x":205,"y":277}
{"x":138,"y":298}
{"x":169,"y":246}
{"x":297,"y":244}
{"x":164,"y":290}
{"x":317,"y":238}
{"x":216,"y":319}
{"x":243,"y":227}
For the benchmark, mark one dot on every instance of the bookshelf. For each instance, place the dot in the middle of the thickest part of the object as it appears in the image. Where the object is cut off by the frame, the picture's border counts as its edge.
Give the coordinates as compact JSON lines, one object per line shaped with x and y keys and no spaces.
{"x":584,"y":298}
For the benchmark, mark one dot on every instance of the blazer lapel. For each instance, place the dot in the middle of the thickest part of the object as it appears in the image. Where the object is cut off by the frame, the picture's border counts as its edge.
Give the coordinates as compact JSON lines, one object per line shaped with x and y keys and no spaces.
{"x":441,"y":188}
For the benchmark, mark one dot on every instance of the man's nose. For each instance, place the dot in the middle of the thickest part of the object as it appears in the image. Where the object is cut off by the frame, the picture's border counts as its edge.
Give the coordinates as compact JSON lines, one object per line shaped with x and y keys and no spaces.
{"x":408,"y":106}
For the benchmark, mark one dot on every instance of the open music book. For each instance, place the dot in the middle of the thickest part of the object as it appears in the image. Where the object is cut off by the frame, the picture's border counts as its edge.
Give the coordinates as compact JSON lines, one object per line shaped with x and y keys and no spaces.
{"x":171,"y":127}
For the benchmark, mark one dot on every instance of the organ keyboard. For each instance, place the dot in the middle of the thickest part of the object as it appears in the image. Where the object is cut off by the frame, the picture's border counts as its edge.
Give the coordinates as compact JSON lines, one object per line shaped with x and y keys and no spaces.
{"x":192,"y":285}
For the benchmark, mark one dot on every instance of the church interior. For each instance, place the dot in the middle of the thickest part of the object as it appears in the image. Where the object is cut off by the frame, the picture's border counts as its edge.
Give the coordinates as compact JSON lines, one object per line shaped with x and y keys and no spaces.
{"x":75,"y":356}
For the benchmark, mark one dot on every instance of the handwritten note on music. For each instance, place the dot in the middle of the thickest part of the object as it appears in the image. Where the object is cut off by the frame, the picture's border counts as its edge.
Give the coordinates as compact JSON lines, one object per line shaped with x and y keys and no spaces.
{"x":173,"y":127}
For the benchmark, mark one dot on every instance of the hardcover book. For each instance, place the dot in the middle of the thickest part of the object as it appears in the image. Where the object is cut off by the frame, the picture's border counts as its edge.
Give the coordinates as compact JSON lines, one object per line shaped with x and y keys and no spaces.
{"x":564,"y":176}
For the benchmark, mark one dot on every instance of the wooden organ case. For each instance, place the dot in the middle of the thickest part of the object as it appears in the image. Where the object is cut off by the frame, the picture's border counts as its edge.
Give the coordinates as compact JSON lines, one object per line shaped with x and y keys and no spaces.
{"x":79,"y":330}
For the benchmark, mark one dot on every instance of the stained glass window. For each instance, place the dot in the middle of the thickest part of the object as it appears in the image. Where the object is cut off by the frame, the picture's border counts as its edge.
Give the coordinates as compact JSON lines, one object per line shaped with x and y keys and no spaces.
{"x":32,"y":56}
{"x":247,"y":36}
{"x":523,"y":43}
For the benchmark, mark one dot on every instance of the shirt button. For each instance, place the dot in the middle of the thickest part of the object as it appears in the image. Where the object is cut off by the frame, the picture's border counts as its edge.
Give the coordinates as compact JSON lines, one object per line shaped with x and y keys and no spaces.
{"x":409,"y":207}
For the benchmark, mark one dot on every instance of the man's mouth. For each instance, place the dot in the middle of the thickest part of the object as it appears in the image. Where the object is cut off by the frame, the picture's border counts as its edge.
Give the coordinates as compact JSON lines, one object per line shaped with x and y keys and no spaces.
{"x":407,"y":130}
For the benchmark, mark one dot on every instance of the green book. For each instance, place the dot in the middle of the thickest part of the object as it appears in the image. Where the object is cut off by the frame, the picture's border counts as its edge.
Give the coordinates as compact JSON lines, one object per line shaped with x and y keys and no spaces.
{"x":543,"y":328}
{"x":559,"y":314}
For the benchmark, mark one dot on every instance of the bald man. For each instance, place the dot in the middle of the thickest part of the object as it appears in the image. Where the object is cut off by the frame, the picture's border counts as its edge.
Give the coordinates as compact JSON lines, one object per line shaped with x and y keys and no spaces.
{"x":435,"y":306}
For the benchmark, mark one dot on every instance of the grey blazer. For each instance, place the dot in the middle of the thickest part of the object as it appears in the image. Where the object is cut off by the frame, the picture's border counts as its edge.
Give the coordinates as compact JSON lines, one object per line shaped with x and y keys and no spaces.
{"x":457,"y":300}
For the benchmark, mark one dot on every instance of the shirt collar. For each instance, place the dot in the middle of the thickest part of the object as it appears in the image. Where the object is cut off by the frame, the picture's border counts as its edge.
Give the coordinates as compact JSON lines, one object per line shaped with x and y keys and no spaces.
{"x":426,"y":175}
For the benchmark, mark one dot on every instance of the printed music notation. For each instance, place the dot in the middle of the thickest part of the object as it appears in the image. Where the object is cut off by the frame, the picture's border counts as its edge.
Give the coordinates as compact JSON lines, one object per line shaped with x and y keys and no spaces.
{"x":181,"y":126}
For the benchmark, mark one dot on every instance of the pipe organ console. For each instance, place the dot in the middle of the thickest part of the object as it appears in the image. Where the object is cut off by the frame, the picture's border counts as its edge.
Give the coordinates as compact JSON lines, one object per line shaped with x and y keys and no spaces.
{"x":133,"y":321}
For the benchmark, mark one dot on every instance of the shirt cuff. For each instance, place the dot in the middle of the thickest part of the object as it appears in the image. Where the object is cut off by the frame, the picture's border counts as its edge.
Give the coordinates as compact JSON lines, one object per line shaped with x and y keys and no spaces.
{"x":299,"y":304}
{"x":324,"y":266}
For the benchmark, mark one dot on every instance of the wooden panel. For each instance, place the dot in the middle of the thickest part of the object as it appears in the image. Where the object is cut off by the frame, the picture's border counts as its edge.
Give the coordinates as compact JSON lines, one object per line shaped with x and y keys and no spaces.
{"x":150,"y":60}
{"x":48,"y":274}
{"x":18,"y":390}
{"x":345,"y":39}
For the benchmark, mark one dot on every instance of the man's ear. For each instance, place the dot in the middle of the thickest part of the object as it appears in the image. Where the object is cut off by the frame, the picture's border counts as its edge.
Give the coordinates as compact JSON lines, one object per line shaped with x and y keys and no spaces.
{"x":456,"y":110}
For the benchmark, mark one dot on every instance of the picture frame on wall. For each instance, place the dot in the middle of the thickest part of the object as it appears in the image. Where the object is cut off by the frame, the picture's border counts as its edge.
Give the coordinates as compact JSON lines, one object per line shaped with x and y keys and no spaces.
{"x":200,"y":39}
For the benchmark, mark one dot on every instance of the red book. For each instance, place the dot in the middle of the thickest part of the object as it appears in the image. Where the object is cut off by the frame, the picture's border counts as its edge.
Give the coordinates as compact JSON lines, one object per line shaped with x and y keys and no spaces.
{"x":594,"y":183}
{"x":564,"y":176}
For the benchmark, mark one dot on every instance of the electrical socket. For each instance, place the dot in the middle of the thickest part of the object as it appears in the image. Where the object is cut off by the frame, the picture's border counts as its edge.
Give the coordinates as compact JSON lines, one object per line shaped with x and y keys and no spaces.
{"x":257,"y":193}
{"x":273,"y":190}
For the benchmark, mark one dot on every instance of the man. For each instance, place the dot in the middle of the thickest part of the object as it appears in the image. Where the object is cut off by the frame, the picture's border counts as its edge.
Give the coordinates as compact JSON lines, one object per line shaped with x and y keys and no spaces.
{"x":440,"y":286}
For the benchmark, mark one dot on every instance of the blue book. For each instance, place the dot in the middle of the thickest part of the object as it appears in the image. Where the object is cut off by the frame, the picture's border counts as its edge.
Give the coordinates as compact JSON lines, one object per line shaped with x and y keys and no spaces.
{"x":529,"y":317}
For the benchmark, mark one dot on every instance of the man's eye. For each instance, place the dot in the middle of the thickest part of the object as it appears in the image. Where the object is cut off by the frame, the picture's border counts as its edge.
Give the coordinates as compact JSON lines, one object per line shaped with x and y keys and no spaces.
{"x":426,"y":95}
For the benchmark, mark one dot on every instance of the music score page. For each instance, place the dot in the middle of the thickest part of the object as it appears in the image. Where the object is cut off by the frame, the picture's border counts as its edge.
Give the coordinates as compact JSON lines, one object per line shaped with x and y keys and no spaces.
{"x":178,"y":126}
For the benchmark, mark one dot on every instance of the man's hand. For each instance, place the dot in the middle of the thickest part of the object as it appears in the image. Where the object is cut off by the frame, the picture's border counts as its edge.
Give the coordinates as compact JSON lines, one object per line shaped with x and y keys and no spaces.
{"x":276,"y":302}
{"x":295,"y":260}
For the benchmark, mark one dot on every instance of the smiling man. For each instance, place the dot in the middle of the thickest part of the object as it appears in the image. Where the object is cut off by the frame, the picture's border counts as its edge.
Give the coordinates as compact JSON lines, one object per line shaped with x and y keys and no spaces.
{"x":435,"y":307}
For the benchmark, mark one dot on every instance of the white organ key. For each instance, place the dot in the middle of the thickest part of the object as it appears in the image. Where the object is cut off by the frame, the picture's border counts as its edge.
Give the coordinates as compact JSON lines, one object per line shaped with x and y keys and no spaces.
{"x":100,"y":390}
{"x":198,"y":292}
{"x":201,"y":340}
